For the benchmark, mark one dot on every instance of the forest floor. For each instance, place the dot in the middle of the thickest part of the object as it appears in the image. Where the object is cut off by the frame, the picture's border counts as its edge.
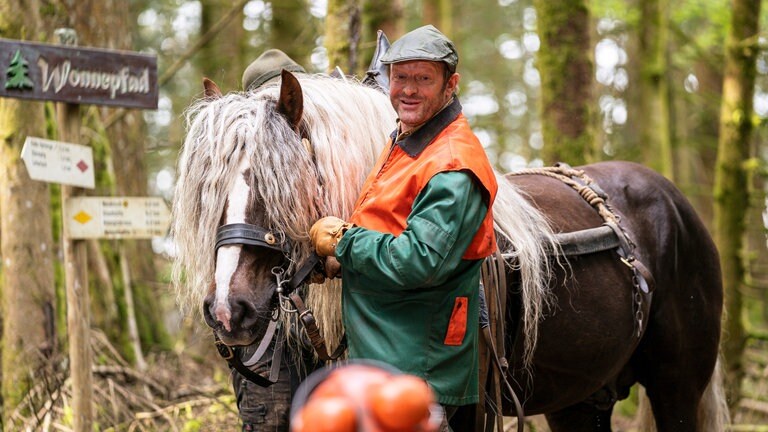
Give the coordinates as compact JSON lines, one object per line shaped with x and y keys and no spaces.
{"x":188,"y":390}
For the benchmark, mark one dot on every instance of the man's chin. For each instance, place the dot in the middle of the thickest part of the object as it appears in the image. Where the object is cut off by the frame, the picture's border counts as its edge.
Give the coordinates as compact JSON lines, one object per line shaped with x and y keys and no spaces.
{"x":410,"y":121}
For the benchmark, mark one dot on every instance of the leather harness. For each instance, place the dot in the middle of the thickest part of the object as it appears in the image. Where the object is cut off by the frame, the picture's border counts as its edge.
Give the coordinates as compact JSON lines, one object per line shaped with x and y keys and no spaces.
{"x":254,"y":235}
{"x":610,"y":236}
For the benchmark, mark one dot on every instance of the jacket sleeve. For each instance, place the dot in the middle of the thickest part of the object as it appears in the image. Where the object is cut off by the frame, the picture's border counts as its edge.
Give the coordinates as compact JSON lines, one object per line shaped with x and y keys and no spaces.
{"x":443,"y":221}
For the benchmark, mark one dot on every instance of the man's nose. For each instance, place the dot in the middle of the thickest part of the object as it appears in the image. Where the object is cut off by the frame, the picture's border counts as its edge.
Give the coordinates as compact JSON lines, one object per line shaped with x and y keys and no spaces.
{"x":410,"y":87}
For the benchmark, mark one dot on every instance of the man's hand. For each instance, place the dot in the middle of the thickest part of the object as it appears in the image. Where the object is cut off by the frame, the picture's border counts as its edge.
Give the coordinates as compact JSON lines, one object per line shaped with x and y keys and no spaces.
{"x":331,"y":270}
{"x":326,"y":233}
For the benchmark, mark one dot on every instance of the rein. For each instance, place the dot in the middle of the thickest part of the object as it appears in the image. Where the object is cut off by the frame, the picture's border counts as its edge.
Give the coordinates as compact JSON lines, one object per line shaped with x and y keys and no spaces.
{"x":288,"y":289}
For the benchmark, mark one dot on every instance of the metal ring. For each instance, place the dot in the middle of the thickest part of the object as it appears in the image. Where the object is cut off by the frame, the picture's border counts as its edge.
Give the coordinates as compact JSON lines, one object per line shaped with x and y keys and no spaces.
{"x":280,"y":302}
{"x":269,"y":238}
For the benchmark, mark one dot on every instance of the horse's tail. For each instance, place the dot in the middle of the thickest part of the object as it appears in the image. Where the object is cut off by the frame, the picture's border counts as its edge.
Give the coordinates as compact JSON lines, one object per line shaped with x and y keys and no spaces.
{"x":713,"y":414}
{"x":528,"y":237}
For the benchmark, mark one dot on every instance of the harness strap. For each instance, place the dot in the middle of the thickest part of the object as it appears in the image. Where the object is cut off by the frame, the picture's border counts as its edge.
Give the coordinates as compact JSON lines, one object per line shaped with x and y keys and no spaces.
{"x":252,"y":235}
{"x":590,"y":191}
{"x":310,"y":325}
{"x":231,"y":356}
{"x":263,"y":345}
{"x":494,"y":283}
{"x":303,"y":272}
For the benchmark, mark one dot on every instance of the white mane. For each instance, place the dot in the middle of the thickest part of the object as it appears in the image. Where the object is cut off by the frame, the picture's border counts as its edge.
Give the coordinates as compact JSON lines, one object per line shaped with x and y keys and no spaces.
{"x":347,"y":124}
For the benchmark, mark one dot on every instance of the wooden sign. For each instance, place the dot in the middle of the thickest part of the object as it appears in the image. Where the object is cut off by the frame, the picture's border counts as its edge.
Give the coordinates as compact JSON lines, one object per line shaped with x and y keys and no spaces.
{"x":77,"y":75}
{"x":58,"y":162}
{"x":115,"y":217}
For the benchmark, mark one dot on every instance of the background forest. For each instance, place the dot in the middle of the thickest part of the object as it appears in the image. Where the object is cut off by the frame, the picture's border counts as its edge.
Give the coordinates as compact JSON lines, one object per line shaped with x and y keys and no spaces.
{"x":681,"y":87}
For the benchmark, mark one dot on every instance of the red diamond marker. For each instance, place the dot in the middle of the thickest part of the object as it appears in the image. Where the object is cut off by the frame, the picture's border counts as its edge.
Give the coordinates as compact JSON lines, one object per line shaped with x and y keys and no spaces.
{"x":82,"y":165}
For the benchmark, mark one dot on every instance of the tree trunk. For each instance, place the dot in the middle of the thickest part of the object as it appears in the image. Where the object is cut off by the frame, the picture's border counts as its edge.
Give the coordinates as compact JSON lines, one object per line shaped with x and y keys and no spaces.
{"x":221,"y":59}
{"x":291,"y":31}
{"x":654,"y":116}
{"x":730,"y":192}
{"x":27,"y":285}
{"x":440,"y":13}
{"x":342,"y":34}
{"x":566,"y":73}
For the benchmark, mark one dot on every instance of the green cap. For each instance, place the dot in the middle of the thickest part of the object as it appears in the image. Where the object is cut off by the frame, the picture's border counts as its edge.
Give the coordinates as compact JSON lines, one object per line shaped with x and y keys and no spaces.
{"x":424,"y":43}
{"x":268,"y":66}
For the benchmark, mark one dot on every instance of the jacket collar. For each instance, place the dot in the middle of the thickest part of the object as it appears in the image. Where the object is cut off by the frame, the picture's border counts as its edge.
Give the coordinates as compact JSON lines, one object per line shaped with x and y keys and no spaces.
{"x":416,"y":142}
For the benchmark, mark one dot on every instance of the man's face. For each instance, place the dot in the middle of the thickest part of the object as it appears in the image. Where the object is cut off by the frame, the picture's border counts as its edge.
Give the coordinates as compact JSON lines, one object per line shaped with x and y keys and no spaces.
{"x":418,"y":90}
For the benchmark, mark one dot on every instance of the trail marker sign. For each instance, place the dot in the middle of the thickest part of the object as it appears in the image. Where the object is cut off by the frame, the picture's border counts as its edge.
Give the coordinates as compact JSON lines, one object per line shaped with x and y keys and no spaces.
{"x":58,"y":162}
{"x":115,"y":217}
{"x":31,"y":70}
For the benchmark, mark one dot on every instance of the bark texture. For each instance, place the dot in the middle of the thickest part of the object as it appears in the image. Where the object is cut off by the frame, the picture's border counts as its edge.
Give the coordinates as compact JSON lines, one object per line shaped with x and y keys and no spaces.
{"x":564,"y":63}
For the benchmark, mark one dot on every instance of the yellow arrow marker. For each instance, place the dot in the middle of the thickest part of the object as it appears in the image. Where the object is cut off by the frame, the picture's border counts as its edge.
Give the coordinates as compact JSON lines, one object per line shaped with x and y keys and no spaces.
{"x":82,"y":217}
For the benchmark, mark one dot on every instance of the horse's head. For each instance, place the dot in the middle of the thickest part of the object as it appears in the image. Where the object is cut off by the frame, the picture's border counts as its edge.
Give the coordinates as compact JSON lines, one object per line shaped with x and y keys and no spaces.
{"x":256,"y":170}
{"x":252,"y":257}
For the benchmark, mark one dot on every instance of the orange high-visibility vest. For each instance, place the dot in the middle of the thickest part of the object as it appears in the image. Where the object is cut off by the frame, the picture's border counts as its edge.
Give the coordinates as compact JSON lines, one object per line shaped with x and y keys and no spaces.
{"x":397,"y":178}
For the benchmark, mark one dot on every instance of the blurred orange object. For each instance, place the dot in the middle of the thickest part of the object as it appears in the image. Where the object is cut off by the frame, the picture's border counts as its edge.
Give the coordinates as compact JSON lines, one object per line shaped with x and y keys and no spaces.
{"x":364,"y":397}
{"x":327,"y":414}
{"x":402,"y":403}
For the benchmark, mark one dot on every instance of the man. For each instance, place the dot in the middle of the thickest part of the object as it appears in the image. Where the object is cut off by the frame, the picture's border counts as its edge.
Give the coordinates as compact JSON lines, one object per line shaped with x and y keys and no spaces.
{"x":410,"y":255}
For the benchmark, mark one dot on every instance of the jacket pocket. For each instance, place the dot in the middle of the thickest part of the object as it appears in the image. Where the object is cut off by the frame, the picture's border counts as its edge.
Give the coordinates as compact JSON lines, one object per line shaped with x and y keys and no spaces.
{"x":457,"y":326}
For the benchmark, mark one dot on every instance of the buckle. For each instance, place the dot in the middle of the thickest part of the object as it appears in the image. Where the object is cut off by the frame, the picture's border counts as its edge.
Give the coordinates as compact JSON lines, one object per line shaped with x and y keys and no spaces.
{"x":225,"y":351}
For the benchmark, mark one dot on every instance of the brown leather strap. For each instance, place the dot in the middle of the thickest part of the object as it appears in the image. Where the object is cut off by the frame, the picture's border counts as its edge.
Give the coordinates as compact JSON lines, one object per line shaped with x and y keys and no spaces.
{"x":313,"y":332}
{"x":494,"y":284}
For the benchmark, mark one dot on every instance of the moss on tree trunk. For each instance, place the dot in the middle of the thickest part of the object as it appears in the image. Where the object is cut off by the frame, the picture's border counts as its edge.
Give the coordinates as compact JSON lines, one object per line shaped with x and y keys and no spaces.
{"x":730,"y":192}
{"x":566,"y":74}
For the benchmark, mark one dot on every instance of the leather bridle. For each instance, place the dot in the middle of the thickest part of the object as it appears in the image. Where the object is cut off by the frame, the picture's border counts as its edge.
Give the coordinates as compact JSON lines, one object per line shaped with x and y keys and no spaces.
{"x":287,"y":291}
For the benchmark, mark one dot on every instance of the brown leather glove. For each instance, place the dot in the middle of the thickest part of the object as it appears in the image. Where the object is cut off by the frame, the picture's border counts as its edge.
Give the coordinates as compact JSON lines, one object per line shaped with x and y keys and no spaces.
{"x":331,"y":270}
{"x":332,"y":267}
{"x":326,"y":233}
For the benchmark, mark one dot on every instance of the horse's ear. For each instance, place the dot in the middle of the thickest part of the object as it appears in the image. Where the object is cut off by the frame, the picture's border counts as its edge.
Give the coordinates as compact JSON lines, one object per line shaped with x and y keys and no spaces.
{"x":212,"y":91}
{"x":291,"y":102}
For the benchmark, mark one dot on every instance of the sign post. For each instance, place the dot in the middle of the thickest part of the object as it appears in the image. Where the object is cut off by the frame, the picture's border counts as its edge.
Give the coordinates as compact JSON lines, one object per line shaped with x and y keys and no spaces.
{"x":76,"y":271}
{"x":71,"y":76}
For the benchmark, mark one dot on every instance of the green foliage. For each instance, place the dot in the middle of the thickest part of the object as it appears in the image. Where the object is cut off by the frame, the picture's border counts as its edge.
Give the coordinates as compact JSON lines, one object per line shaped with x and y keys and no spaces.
{"x":192,"y":425}
{"x":704,"y":22}
{"x":621,"y":10}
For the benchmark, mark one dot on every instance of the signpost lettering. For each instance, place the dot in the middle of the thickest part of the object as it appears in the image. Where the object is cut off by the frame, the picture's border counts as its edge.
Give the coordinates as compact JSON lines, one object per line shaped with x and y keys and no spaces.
{"x":58,"y":162}
{"x":77,"y":75}
{"x":116,"y":217}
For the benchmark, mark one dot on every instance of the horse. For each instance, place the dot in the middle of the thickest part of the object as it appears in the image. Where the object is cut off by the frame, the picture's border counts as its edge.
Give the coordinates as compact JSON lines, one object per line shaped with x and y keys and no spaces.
{"x":580,"y":329}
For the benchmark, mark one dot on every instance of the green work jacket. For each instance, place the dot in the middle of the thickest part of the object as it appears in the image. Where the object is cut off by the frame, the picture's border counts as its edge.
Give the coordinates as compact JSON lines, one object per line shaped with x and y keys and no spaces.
{"x":401,"y":292}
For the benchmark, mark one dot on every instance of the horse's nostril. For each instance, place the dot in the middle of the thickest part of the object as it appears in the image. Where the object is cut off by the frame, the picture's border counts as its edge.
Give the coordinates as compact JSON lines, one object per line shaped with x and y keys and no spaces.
{"x":243,"y":313}
{"x":210,"y":315}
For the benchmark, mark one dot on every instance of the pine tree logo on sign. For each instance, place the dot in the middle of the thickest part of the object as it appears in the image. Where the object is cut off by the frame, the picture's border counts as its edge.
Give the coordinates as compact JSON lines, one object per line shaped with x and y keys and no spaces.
{"x":17,"y":73}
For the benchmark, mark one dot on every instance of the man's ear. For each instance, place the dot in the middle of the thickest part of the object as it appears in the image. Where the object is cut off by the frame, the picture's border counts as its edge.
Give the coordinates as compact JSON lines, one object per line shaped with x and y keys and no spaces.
{"x":453,"y":83}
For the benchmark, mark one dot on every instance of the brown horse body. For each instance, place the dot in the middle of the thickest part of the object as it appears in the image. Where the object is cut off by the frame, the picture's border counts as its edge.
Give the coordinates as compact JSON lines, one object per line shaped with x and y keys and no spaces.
{"x":588,"y":355}
{"x":588,"y":352}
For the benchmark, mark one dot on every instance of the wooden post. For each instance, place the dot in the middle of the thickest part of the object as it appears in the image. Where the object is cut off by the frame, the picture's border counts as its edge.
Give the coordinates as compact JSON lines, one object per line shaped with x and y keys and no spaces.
{"x":76,"y":270}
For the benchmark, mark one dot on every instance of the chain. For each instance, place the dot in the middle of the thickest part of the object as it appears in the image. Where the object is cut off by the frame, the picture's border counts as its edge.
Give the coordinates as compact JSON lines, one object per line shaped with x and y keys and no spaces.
{"x":637,"y":296}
